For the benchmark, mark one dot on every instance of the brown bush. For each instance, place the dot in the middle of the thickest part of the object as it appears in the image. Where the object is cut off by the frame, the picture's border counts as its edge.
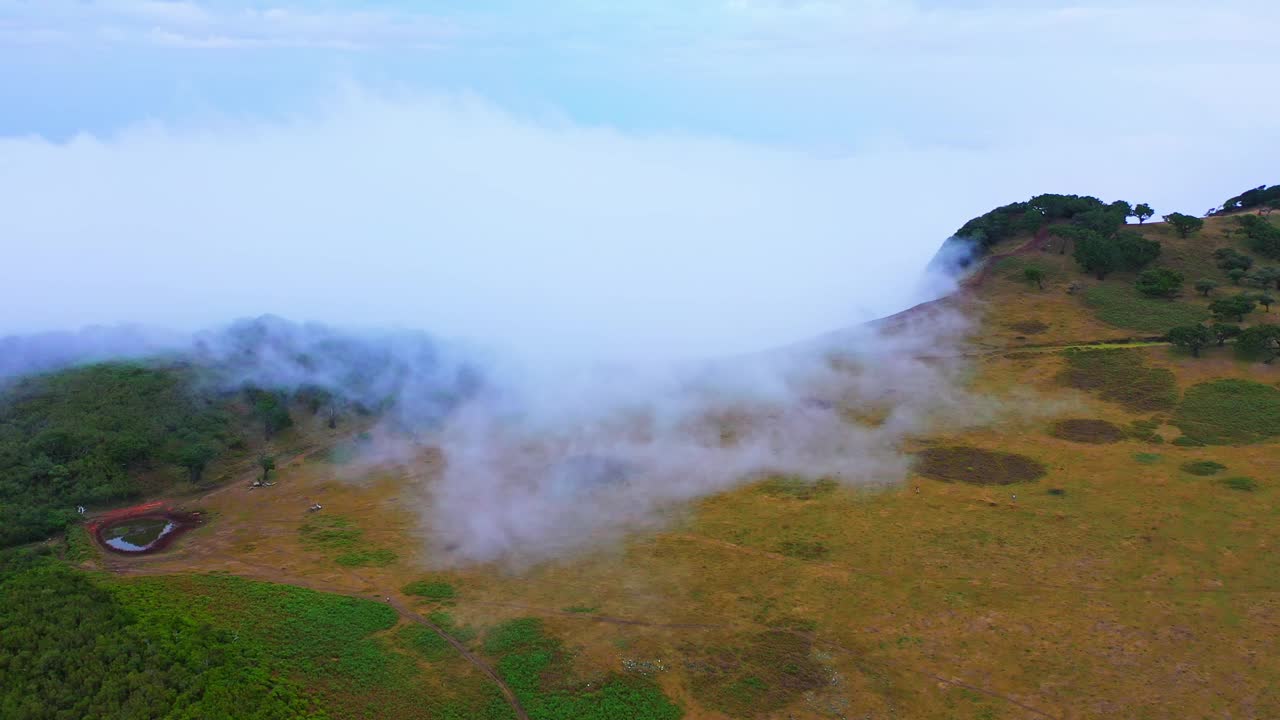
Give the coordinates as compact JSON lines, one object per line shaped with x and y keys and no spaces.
{"x":977,"y":466}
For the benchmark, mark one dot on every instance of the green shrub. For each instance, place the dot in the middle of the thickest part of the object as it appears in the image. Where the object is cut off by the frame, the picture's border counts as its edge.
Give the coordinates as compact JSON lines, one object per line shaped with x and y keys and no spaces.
{"x":1243,"y":484}
{"x":378,"y":557}
{"x":1147,"y":458}
{"x":1203,"y":467}
{"x":430,"y":589}
{"x":1226,"y":412}
{"x":426,"y":642}
{"x":1123,"y":306}
{"x":1120,"y":376}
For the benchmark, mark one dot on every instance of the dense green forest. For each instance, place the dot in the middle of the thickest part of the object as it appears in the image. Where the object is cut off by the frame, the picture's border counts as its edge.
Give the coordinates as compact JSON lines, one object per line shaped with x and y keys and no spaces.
{"x":73,"y":649}
{"x":81,"y":436}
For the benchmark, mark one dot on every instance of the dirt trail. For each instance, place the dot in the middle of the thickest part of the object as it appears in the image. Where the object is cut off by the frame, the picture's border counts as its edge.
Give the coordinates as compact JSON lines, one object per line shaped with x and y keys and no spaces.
{"x":506,"y":690}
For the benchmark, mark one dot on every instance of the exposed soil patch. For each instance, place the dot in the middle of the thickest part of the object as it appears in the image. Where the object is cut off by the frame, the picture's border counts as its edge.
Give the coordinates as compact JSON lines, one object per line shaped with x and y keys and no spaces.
{"x":977,"y":466}
{"x":142,"y":529}
{"x":1096,"y":432}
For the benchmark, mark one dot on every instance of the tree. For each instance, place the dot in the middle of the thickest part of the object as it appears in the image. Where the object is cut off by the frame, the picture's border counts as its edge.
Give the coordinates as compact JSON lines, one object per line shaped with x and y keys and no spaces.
{"x":1143,"y":212}
{"x":1233,"y":307}
{"x":1136,"y":252}
{"x":1265,"y":300}
{"x":1191,"y":337}
{"x":1184,"y":224}
{"x":1266,"y":277}
{"x":1205,"y":286}
{"x":1096,"y":254}
{"x":1229,"y":258}
{"x":1159,"y":282}
{"x":272,"y":408}
{"x":1224,"y":332}
{"x":1260,"y":341}
{"x":1236,"y":275}
{"x":1102,"y":255}
{"x":267,"y":463}
{"x":195,"y":457}
{"x":1033,"y":274}
{"x":1261,"y":236}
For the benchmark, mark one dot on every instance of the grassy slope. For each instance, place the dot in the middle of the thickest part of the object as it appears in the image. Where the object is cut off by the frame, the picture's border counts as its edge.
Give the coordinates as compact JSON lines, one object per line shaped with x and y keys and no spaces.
{"x":1136,"y":590}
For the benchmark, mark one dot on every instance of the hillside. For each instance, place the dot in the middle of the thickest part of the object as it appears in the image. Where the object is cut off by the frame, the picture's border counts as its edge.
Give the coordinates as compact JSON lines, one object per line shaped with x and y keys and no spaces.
{"x":1101,"y":548}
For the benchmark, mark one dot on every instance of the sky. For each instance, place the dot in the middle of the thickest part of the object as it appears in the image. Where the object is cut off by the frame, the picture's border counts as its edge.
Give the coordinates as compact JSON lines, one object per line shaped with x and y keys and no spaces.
{"x":671,"y":177}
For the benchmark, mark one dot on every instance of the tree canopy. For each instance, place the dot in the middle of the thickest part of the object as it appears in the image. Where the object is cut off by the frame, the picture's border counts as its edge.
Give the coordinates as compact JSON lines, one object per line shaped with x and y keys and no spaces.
{"x":1191,"y":337}
{"x":1233,"y":307}
{"x":1126,"y":251}
{"x":1184,"y":224}
{"x":1261,"y":196}
{"x":1261,"y":235}
{"x":78,"y":437}
{"x":1159,"y":282}
{"x":1029,"y":217}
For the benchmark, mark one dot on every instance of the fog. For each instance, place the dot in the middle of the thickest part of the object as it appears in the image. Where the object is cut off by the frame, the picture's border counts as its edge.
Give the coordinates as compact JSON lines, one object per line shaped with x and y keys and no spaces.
{"x":595,"y":327}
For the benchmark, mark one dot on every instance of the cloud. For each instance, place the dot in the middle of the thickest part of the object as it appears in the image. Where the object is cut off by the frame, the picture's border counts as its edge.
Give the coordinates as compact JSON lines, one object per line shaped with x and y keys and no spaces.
{"x":451,"y":215}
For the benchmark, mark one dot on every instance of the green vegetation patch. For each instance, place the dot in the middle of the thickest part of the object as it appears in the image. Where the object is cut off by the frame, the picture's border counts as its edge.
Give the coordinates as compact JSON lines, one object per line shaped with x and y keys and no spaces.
{"x":1120,"y":376}
{"x":72,"y":649}
{"x":1087,"y":431}
{"x":329,"y":532}
{"x":338,"y":536}
{"x":1147,"y":458}
{"x":1243,"y":484}
{"x":430,"y":589}
{"x":1123,"y":306}
{"x":796,"y":487}
{"x":425,"y":642}
{"x":977,"y":466}
{"x":805,"y":549}
{"x":757,"y":677}
{"x":540,"y":672}
{"x":1228,"y":412}
{"x":83,"y":437}
{"x":1203,"y":468}
{"x":377,"y":557}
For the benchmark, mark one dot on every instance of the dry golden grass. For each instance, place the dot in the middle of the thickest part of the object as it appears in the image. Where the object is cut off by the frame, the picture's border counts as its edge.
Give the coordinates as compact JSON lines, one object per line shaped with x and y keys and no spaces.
{"x":1113,"y":587}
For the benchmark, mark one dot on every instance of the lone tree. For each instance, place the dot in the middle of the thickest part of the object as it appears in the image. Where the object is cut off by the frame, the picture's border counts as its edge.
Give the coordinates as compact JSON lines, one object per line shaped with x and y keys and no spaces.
{"x":1191,"y":337}
{"x":1159,"y":282}
{"x":1260,"y":341}
{"x":268,"y":463}
{"x":1236,"y":275}
{"x":1143,"y":212}
{"x":1184,"y":224}
{"x":1224,"y":332}
{"x":1035,"y":275}
{"x":1205,"y":286}
{"x":1265,"y":300}
{"x":195,"y":458}
{"x":1233,"y":307}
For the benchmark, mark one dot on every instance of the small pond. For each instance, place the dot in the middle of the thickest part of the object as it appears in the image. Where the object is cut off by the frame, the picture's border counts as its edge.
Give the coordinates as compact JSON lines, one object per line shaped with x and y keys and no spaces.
{"x":138,"y":535}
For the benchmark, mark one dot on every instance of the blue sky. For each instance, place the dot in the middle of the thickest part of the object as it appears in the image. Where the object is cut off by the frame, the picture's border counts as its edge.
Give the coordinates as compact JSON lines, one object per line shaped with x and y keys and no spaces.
{"x":825,"y":73}
{"x":766,"y":169}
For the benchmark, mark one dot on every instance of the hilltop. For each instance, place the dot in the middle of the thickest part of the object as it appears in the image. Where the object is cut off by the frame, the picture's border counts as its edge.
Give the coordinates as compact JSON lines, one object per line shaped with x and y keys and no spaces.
{"x":1102,"y":548}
